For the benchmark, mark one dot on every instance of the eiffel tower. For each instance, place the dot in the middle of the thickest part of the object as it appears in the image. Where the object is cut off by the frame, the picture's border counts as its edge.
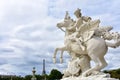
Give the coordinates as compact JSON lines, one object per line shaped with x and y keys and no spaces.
{"x":43,"y":72}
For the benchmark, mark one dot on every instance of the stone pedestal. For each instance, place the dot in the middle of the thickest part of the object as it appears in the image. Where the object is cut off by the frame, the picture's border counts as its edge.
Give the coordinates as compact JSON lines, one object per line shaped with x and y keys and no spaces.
{"x":92,"y":77}
{"x":33,"y":78}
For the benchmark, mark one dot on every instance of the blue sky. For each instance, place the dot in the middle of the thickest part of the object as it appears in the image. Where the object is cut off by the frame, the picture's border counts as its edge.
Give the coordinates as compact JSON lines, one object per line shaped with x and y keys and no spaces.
{"x":28,"y":32}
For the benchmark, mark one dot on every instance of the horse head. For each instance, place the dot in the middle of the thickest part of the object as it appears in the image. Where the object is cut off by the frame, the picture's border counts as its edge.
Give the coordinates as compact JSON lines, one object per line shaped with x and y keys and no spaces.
{"x":66,"y":23}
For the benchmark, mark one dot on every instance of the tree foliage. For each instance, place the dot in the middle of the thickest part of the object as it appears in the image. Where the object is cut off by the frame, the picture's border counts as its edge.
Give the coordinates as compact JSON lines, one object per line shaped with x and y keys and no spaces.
{"x":55,"y":74}
{"x":114,"y":73}
{"x":28,"y":77}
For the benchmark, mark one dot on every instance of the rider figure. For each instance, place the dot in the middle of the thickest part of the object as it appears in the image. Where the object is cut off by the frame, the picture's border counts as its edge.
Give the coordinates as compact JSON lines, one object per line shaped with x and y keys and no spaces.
{"x":80,"y":22}
{"x":80,"y":19}
{"x":75,"y":27}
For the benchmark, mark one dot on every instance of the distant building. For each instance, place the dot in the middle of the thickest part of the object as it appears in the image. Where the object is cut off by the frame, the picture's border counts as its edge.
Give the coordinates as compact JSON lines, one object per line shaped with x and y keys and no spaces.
{"x":43,"y":72}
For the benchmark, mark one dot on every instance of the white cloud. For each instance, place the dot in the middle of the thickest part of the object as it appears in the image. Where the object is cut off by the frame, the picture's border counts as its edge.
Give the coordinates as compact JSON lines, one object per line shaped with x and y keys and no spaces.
{"x":20,"y":12}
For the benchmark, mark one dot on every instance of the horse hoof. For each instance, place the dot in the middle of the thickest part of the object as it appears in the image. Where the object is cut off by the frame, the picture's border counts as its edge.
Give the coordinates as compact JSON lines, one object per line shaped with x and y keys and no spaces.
{"x":54,"y":60}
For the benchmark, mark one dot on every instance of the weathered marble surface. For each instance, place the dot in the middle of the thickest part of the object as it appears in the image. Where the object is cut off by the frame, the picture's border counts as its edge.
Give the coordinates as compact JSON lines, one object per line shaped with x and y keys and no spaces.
{"x":92,"y":77}
{"x":85,"y":40}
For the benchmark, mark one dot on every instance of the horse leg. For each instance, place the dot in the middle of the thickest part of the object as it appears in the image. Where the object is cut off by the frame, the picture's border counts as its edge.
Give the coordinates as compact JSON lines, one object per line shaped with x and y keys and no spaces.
{"x":61,"y":56}
{"x":89,"y":71}
{"x":54,"y":56}
{"x":84,"y":63}
{"x":100,"y":64}
{"x":55,"y":53}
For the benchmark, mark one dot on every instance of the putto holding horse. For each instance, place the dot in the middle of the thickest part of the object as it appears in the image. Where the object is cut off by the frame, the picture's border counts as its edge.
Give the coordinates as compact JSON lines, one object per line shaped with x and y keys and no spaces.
{"x":85,"y":40}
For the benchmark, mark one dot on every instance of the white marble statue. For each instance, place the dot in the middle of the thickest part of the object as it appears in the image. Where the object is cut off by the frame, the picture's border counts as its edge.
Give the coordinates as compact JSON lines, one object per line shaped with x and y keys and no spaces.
{"x":85,"y":40}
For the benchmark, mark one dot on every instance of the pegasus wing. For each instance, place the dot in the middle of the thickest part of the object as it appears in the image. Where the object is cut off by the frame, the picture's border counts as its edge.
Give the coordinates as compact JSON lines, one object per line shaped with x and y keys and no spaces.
{"x":88,"y":26}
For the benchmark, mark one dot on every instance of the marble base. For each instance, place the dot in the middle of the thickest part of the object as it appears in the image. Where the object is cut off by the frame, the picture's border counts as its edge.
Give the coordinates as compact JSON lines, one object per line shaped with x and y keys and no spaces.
{"x":33,"y":79}
{"x":92,"y":77}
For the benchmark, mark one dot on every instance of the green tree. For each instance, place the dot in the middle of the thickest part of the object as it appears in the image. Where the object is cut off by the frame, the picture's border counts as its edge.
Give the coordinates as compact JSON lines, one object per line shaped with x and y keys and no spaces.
{"x":39,"y":77}
{"x":114,"y":73}
{"x":17,"y":78}
{"x":55,"y":74}
{"x":28,"y":77}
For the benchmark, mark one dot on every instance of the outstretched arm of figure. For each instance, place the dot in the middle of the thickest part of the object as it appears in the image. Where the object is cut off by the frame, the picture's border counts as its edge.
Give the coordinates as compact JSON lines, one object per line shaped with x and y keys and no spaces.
{"x":86,"y":18}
